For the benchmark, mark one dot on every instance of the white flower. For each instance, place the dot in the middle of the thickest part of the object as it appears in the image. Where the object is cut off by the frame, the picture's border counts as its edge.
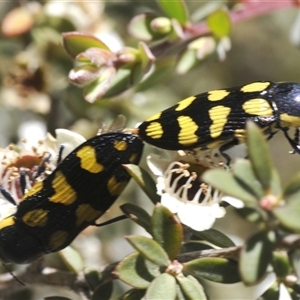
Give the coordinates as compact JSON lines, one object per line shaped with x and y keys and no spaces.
{"x":26,"y":164}
{"x":196,"y":203}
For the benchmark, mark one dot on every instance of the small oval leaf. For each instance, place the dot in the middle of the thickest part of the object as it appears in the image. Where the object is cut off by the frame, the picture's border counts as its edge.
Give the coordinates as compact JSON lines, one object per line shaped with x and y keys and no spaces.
{"x":76,"y":42}
{"x":144,"y":180}
{"x":288,"y":215}
{"x":281,"y":264}
{"x":175,"y":9}
{"x":93,"y":278}
{"x":219,"y":23}
{"x":243,"y":173}
{"x":150,"y":249}
{"x":215,"y":237}
{"x":140,"y":28}
{"x":225,"y":182}
{"x":191,"y":288}
{"x":133,"y":294}
{"x":292,"y":188}
{"x":72,"y":259}
{"x":137,"y":215}
{"x":259,"y":156}
{"x":136,"y":271}
{"x":162,"y":287}
{"x":213,"y":268}
{"x":256,"y":255}
{"x":167,"y":230}
{"x":103,"y":292}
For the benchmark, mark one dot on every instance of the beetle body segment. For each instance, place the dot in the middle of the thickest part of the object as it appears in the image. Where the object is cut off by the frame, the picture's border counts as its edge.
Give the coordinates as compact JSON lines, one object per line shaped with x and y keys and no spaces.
{"x":82,"y":187}
{"x":218,"y":117}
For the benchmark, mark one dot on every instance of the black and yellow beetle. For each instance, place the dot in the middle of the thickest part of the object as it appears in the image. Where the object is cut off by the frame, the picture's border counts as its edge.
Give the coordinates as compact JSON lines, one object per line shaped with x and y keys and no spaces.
{"x":217,"y":118}
{"x":82,"y":187}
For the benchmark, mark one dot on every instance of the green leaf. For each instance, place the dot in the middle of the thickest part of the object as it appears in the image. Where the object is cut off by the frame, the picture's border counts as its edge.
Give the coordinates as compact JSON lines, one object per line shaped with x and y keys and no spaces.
{"x":162,"y":287}
{"x":191,"y":288}
{"x":150,"y":249}
{"x":95,"y":90}
{"x":136,"y":271}
{"x":121,"y":81}
{"x":215,"y":237}
{"x":272,"y":292}
{"x":140,"y":28}
{"x":244,"y":174}
{"x":72,"y":259}
{"x":175,"y":9}
{"x":76,"y":42}
{"x":259,"y":156}
{"x":219,"y":23}
{"x":147,"y":58}
{"x":292,"y":188}
{"x":133,"y":294}
{"x":103,"y":292}
{"x":93,"y":278}
{"x":167,"y":230}
{"x":256,"y":256}
{"x":288,"y":215}
{"x":252,"y":214}
{"x":196,"y":52}
{"x":295,"y":261}
{"x":228,"y":184}
{"x":144,"y":180}
{"x":187,"y":61}
{"x":281,"y":264}
{"x":138,"y":215}
{"x":213,"y":268}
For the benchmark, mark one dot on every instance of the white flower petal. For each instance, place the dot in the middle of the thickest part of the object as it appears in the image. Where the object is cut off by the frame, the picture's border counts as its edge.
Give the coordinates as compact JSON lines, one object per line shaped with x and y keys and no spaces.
{"x":69,"y":140}
{"x":235,"y":202}
{"x":171,"y":203}
{"x":157,"y":164}
{"x":283,"y":293}
{"x":200,"y":217}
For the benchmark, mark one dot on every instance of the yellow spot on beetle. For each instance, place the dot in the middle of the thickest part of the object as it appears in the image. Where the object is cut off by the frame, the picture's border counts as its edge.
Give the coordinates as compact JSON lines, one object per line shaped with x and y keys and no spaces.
{"x":115,"y":188}
{"x":240,"y":134}
{"x":187,"y":131}
{"x":217,"y":95}
{"x":10,"y":221}
{"x":35,"y":189}
{"x":258,"y":107}
{"x":86,"y":213}
{"x":58,"y":239}
{"x":154,"y":130}
{"x":63,"y":192}
{"x":218,"y":116}
{"x":133,"y":157}
{"x":287,"y":120}
{"x":36,"y":218}
{"x":255,"y":87}
{"x":154,"y":117}
{"x":88,"y":161}
{"x":120,"y":145}
{"x":185,"y":103}
{"x":215,"y":144}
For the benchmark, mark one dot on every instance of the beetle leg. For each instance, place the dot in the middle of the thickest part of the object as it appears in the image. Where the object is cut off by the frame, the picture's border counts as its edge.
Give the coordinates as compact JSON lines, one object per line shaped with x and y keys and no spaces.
{"x":7,"y":195}
{"x":111,"y":221}
{"x":293,"y":142}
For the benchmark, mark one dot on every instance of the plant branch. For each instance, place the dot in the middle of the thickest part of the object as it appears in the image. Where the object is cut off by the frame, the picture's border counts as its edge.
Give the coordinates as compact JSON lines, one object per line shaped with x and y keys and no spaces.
{"x":245,"y":11}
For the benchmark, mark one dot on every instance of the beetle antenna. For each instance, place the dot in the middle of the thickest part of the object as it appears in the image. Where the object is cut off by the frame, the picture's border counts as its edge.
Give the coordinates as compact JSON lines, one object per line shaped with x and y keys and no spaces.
{"x":12,"y":274}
